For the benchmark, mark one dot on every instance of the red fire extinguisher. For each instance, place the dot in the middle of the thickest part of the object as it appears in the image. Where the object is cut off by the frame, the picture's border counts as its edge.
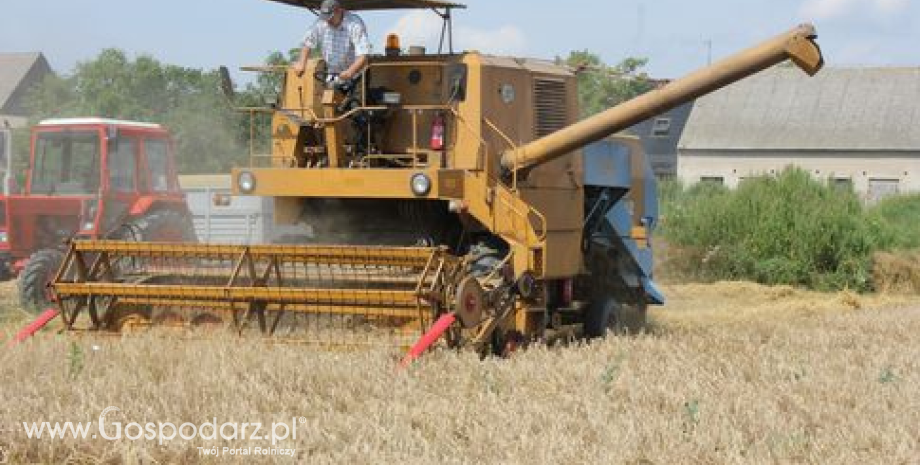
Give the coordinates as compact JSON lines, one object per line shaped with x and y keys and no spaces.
{"x":437,"y":132}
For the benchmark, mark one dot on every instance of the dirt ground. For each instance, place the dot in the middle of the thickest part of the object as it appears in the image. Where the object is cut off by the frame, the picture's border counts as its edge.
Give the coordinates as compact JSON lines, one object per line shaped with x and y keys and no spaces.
{"x":729,"y":373}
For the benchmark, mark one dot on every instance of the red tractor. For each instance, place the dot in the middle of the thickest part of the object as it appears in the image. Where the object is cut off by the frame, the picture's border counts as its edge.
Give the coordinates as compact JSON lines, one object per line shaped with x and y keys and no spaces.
{"x":90,"y":178}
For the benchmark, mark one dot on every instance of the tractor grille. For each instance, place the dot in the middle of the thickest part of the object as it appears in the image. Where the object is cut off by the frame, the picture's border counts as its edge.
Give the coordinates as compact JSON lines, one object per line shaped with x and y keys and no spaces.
{"x":550,"y":109}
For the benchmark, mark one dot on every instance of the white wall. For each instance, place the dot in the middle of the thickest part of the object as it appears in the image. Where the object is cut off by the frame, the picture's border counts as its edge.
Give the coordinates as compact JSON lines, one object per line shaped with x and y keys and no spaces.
{"x":861,"y":168}
{"x":14,"y":122}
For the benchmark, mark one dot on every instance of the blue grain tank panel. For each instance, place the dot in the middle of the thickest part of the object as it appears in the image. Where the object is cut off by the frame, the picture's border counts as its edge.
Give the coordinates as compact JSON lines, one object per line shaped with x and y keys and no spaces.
{"x":607,"y":165}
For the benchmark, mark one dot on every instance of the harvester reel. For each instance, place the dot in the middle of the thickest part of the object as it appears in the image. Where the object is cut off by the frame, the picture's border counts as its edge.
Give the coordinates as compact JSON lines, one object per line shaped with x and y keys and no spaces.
{"x":132,"y":321}
{"x":207,"y":320}
{"x":328,"y":295}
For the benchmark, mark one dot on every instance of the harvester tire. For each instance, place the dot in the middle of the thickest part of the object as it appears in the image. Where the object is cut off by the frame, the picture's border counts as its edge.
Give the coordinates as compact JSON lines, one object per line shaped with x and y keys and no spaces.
{"x":609,"y":315}
{"x":159,"y":226}
{"x":33,"y":281}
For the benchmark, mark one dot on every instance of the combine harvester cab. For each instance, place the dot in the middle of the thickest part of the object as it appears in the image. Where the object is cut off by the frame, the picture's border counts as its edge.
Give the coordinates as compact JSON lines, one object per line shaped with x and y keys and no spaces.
{"x":448,"y":186}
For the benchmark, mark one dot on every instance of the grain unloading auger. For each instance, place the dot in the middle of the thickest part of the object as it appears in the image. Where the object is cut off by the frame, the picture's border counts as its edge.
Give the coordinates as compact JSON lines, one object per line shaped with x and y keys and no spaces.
{"x":452,"y":184}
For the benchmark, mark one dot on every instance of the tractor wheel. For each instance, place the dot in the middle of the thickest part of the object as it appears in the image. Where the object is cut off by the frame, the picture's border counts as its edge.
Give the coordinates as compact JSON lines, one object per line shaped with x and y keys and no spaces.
{"x":34,"y":294}
{"x":5,"y":274}
{"x":158,"y":226}
{"x":609,"y":315}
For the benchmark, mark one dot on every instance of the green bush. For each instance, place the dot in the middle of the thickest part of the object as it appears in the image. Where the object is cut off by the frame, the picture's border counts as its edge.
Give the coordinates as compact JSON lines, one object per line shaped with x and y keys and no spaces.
{"x":897,"y":221}
{"x":788,"y":229}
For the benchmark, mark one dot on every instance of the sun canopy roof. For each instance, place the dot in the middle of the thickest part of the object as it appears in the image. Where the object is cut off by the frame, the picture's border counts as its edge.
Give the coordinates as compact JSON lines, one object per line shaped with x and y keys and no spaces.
{"x":356,"y":5}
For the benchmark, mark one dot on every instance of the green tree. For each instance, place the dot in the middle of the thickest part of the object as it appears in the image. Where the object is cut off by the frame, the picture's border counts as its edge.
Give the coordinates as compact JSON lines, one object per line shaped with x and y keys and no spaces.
{"x":262,"y":93}
{"x":186,"y":100}
{"x":268,"y":84}
{"x":601,"y":86}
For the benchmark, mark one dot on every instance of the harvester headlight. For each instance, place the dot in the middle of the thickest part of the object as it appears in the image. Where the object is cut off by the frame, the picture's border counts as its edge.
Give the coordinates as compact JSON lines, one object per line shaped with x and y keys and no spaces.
{"x":246,"y":181}
{"x":391,"y":98}
{"x":3,"y":237}
{"x":420,"y":184}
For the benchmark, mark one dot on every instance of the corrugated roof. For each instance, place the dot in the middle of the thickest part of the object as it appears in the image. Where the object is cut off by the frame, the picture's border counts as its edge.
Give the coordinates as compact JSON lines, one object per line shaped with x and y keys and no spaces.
{"x":376,"y":4}
{"x":839,"y":109}
{"x":13,"y":69}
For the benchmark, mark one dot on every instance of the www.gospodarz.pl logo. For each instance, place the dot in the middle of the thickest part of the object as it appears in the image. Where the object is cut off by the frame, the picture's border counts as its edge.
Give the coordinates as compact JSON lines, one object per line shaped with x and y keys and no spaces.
{"x":163,"y":432}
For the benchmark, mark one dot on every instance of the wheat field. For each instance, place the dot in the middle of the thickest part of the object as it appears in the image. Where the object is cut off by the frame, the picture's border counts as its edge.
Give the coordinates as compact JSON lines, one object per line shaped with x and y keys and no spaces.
{"x":729,"y":373}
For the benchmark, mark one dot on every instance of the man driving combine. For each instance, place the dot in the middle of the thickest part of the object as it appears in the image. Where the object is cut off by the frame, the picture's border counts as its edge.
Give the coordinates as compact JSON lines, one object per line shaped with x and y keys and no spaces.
{"x":342,"y":37}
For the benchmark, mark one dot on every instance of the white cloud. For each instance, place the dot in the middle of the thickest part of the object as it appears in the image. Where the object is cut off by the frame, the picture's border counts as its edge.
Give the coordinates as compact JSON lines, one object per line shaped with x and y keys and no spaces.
{"x":858,"y":53}
{"x":826,"y":9}
{"x":506,"y":40}
{"x":424,"y":28}
{"x":417,"y":28}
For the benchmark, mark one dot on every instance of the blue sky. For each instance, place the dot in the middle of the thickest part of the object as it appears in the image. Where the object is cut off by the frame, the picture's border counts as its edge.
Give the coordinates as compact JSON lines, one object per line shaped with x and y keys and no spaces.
{"x":674,"y":34}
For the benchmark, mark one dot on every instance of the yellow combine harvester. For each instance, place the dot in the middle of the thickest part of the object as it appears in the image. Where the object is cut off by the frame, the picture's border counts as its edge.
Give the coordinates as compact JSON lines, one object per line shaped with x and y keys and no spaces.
{"x":449,"y":184}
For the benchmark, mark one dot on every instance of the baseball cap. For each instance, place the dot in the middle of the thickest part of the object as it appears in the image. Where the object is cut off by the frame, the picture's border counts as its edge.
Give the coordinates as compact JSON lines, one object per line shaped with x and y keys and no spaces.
{"x":327,"y":8}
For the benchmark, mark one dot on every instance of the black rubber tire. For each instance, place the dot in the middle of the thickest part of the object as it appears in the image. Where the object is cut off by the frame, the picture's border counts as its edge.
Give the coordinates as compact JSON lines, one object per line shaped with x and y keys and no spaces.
{"x":158,"y":226}
{"x":35,"y":277}
{"x":5,"y":273}
{"x":609,"y":315}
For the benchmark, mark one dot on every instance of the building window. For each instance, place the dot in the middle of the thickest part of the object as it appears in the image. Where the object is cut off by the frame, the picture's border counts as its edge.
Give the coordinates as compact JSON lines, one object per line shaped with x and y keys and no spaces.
{"x":661,"y":127}
{"x":880,"y":188}
{"x":842,"y":183}
{"x":713,"y":179}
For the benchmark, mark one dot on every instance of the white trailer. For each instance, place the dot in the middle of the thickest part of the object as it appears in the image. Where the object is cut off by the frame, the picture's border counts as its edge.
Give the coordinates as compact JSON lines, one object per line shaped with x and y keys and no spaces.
{"x":234,"y":219}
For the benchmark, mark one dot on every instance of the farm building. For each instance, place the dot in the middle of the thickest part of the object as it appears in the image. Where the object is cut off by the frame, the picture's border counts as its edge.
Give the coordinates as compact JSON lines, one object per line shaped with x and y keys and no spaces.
{"x":660,"y":136}
{"x":18,"y":73}
{"x":856,"y":126}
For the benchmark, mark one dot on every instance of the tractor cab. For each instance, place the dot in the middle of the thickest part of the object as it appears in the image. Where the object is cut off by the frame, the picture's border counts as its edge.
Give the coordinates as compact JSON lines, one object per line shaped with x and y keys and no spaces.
{"x":95,"y":178}
{"x":89,"y":174}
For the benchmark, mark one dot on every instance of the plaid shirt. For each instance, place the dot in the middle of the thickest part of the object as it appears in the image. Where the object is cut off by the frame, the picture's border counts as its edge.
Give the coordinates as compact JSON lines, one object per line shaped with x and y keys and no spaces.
{"x":340,"y":45}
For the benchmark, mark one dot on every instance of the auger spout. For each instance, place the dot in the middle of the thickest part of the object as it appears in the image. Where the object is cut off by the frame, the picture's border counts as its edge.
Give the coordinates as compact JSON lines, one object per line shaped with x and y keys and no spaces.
{"x":797,"y":45}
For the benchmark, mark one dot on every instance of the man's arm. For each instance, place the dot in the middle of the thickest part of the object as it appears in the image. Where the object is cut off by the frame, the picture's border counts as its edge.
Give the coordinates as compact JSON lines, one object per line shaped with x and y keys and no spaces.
{"x":356,"y":67}
{"x":309,"y":42}
{"x":301,"y":62}
{"x":357,"y":33}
